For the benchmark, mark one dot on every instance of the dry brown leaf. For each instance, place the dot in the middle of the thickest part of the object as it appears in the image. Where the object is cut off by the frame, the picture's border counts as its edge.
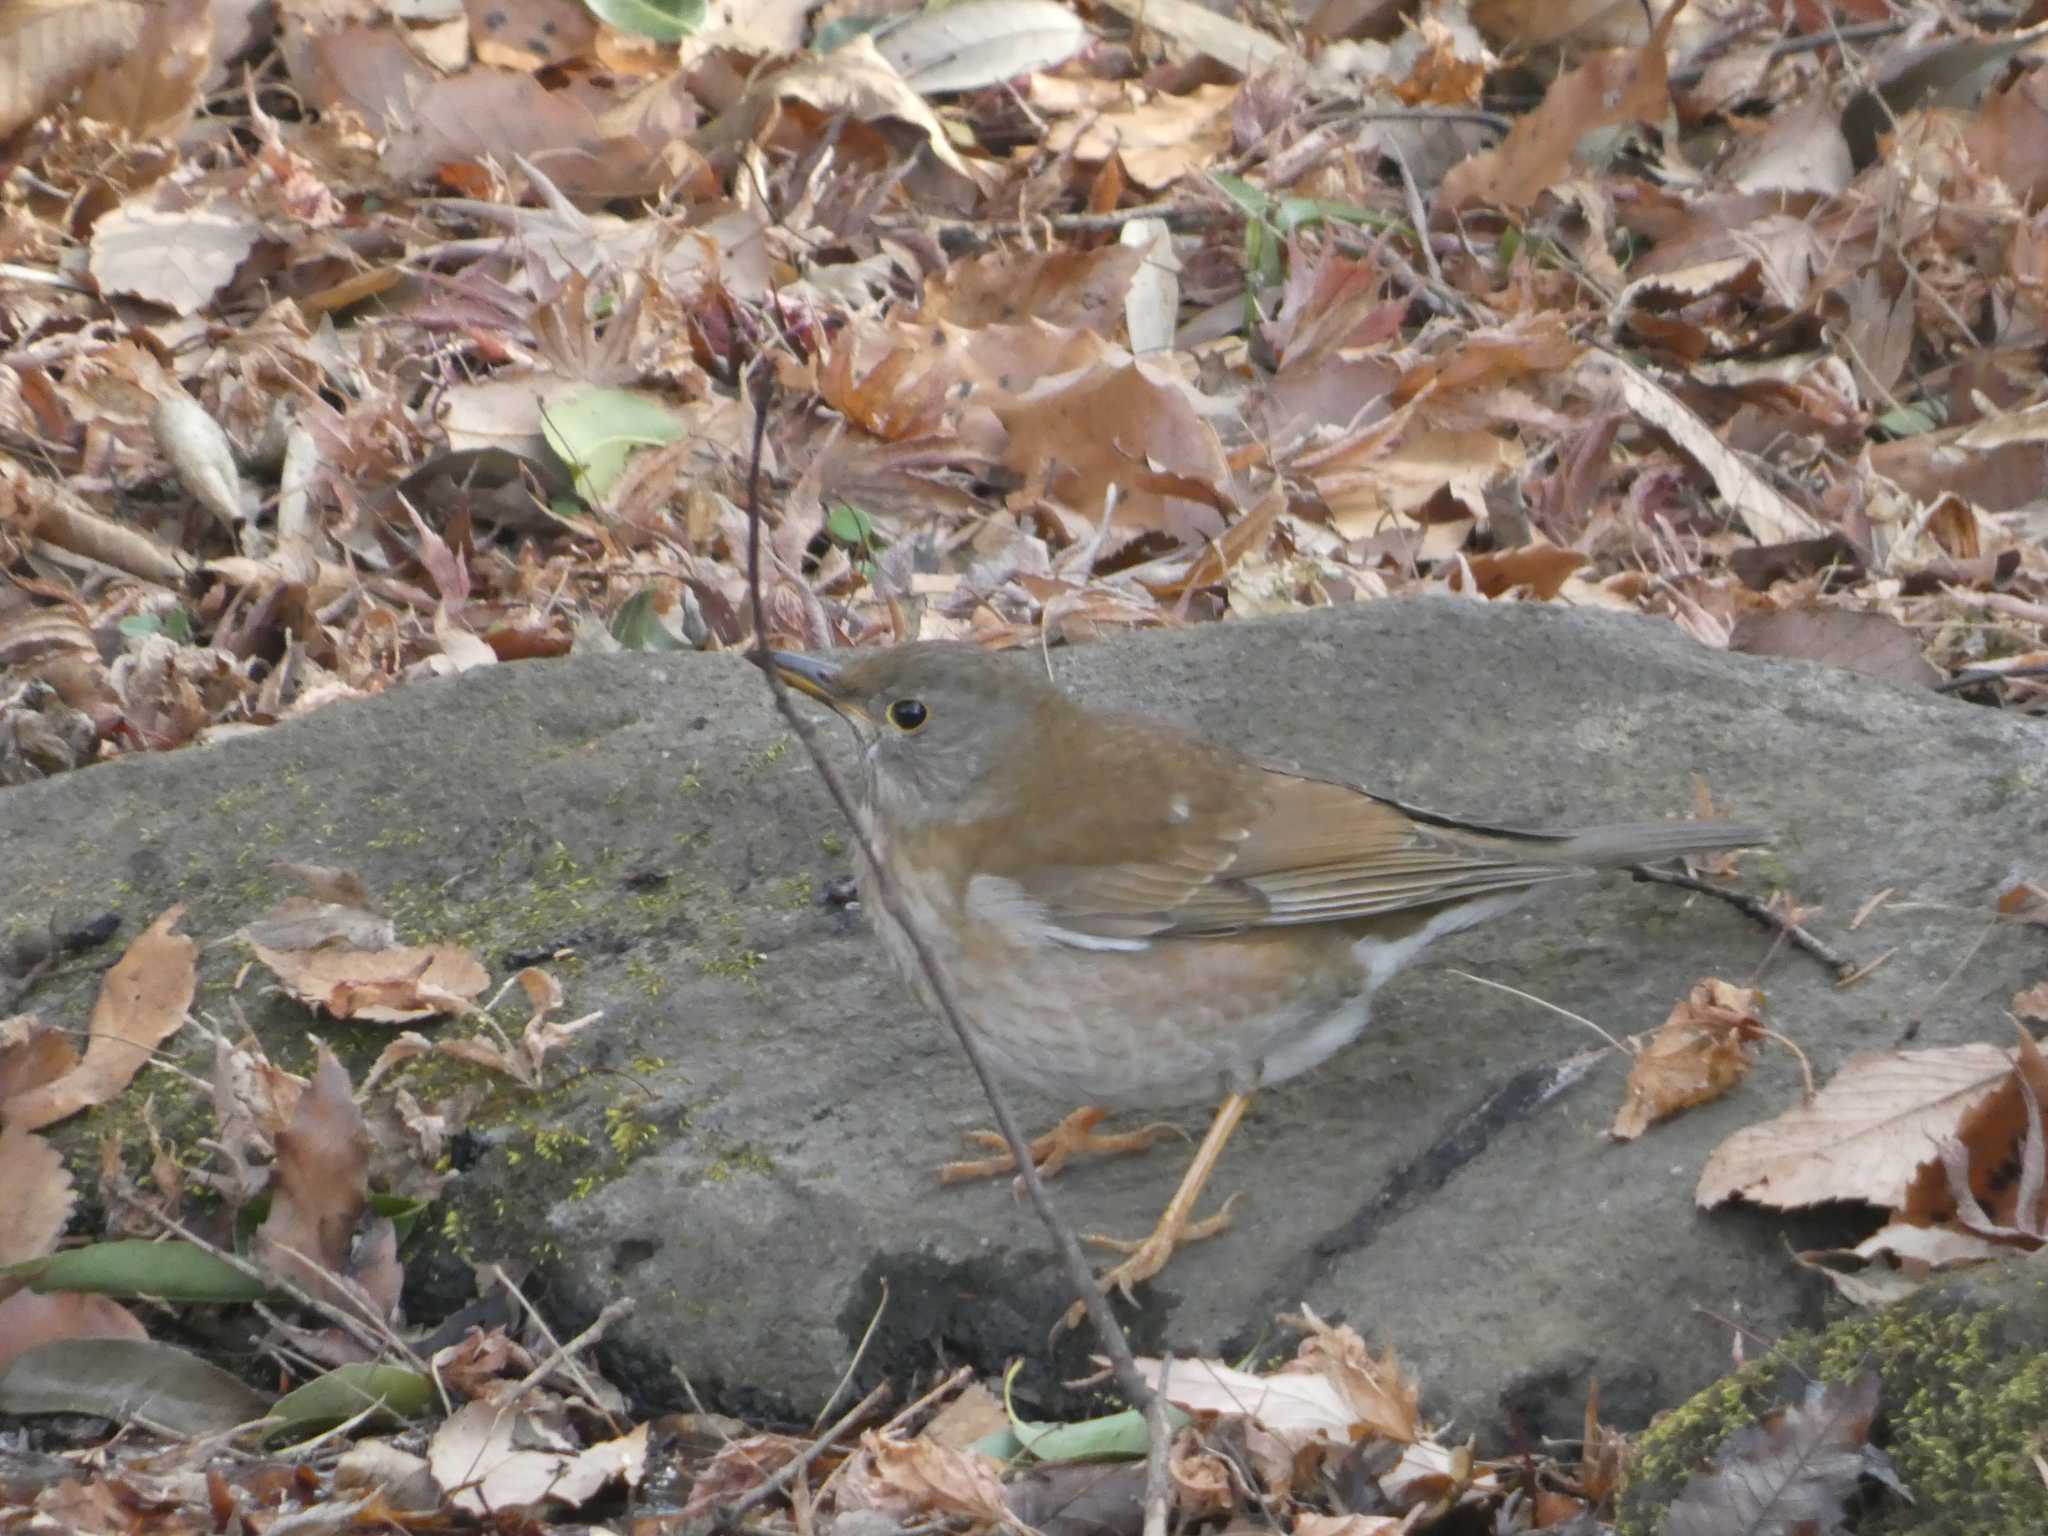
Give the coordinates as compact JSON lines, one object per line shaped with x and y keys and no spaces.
{"x":155,"y":89}
{"x":484,"y":1456}
{"x":1603,"y":1452}
{"x":51,"y":511}
{"x":51,"y":45}
{"x":1202,"y":1481}
{"x":739,"y":1467}
{"x":854,"y":79}
{"x":531,"y":34}
{"x":300,"y":923}
{"x":1874,"y":644}
{"x":1384,"y":1401}
{"x":1864,"y":1135}
{"x":384,"y":986}
{"x":1800,"y":149}
{"x":1533,"y":24}
{"x":1540,"y":569}
{"x":1406,"y":485}
{"x":1060,"y":288}
{"x":1312,"y":1524}
{"x":974,"y":1414}
{"x":32,"y":1053}
{"x":1766,"y":512}
{"x":1621,"y":86}
{"x":212,"y":240}
{"x":320,"y":1232}
{"x":1702,"y":1050}
{"x":1894,"y":1262}
{"x":2032,"y":1003}
{"x":1429,"y":1474}
{"x":1993,"y":1137}
{"x":35,"y":1205}
{"x":2026,"y":901}
{"x":1123,"y":427}
{"x":1159,"y":138}
{"x":1229,"y":42}
{"x":28,"y":1319}
{"x":906,"y":1479}
{"x":142,"y":1003}
{"x":1299,"y":1410}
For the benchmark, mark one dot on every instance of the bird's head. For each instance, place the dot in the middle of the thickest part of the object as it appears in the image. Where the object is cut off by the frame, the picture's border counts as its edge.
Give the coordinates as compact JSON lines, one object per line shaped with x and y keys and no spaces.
{"x":941,"y":725}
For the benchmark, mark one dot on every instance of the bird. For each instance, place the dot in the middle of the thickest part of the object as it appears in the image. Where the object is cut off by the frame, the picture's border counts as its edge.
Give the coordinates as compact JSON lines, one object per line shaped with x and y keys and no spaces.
{"x":1130,"y":916}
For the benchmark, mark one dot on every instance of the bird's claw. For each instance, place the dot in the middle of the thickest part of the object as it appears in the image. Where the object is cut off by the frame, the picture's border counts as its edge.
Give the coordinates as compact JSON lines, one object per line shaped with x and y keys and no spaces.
{"x":1147,"y":1256}
{"x":1073,"y":1137}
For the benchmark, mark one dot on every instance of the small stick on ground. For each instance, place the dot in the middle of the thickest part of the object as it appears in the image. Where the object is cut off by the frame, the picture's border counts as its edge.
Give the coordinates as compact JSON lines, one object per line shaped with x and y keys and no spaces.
{"x":1791,"y":932}
{"x":859,"y":1353}
{"x":727,"y":1517}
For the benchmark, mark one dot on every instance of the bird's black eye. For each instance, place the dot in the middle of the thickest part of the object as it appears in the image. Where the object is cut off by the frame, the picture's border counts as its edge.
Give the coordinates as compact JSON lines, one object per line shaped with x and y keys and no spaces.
{"x":908,"y":715}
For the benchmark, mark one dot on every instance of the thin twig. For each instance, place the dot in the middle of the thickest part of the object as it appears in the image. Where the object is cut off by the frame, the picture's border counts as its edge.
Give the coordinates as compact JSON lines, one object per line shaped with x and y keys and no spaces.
{"x":1693,"y":73}
{"x":1972,"y":679}
{"x":1805,"y":1066}
{"x":727,"y":1517}
{"x":1079,"y":1272}
{"x":1495,"y":121}
{"x":1866,"y":968}
{"x":1176,"y":216}
{"x":900,"y":1424}
{"x":564,"y":1356}
{"x":1529,"y":997}
{"x":1777,"y":922}
{"x":861,"y":1349}
{"x":1417,"y":215}
{"x":1158,"y":1462}
{"x":1740,"y":1330}
{"x":366,"y":1325}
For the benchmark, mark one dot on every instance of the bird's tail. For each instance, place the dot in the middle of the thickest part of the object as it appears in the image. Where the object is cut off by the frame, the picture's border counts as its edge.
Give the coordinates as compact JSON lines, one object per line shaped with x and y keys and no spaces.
{"x":1644,"y":841}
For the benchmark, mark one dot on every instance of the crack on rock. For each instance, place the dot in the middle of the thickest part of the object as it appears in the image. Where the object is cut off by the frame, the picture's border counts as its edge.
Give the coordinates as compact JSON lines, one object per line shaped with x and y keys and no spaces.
{"x":1514,"y":1101}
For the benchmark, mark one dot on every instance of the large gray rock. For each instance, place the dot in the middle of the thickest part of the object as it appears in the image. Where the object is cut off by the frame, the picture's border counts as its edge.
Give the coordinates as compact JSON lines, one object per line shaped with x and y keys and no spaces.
{"x":748,"y":1148}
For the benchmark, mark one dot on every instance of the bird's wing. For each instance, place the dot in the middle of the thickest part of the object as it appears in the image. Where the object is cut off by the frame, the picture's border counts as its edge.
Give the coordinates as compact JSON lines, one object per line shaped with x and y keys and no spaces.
{"x":1282,"y":849}
{"x":1327,"y":852}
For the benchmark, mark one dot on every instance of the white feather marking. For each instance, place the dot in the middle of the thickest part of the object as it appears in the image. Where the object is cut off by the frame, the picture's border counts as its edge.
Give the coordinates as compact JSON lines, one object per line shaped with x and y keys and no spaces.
{"x":1005,"y":906}
{"x":1379,"y":959}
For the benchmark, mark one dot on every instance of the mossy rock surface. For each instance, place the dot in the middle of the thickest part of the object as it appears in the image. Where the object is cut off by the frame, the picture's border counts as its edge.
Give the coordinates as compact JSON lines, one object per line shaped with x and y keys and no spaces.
{"x":1964,"y":1412}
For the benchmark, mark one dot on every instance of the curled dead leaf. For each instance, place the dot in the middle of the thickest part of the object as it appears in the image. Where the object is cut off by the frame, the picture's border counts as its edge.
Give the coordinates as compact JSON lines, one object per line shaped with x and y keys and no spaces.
{"x":1384,"y":1399}
{"x":384,"y":986}
{"x":1706,"y":1046}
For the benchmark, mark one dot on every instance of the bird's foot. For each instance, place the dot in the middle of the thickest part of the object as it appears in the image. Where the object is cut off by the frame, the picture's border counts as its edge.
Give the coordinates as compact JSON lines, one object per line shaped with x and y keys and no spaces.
{"x":1149,"y":1256}
{"x":1073,"y":1137}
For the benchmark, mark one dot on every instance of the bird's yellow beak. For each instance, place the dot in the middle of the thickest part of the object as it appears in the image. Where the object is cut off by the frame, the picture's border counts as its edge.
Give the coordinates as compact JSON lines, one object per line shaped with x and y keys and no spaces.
{"x":817,"y":679}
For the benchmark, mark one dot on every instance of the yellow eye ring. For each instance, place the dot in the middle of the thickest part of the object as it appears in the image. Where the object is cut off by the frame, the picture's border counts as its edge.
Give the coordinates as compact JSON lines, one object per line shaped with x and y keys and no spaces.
{"x":908,"y":715}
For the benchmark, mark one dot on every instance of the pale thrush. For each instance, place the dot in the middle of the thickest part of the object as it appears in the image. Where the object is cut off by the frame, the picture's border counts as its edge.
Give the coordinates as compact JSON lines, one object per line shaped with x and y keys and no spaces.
{"x":1130,"y":915}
